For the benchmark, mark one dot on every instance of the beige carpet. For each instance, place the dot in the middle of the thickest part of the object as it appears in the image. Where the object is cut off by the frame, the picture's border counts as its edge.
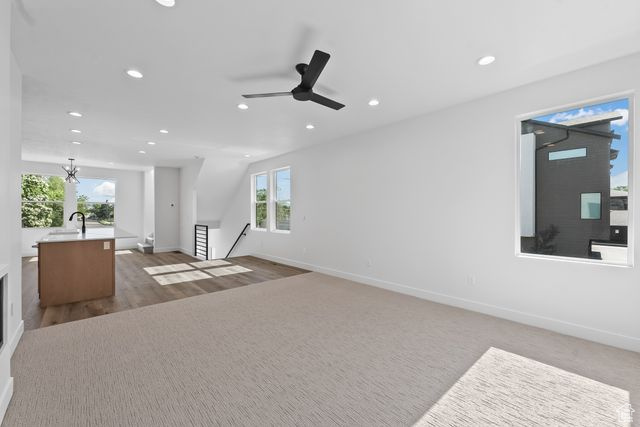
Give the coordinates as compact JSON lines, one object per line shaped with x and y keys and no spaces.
{"x":505,"y":389}
{"x":306,"y":350}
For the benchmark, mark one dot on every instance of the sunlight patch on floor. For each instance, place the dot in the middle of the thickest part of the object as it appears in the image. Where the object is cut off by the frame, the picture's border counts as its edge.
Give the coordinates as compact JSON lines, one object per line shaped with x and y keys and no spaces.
{"x":503,"y":388}
{"x":210,"y":263}
{"x":161,"y":269}
{"x":188,"y":276}
{"x":123,"y":252}
{"x":225,"y":271}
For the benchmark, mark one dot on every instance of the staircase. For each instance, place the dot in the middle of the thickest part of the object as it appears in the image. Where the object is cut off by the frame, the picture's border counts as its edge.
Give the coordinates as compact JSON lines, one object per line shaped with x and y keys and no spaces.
{"x":147,"y":246}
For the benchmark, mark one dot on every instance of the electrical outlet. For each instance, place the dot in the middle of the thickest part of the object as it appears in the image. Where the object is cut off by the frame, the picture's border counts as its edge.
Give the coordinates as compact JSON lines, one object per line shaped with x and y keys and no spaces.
{"x":471,"y":280}
{"x":369,"y":263}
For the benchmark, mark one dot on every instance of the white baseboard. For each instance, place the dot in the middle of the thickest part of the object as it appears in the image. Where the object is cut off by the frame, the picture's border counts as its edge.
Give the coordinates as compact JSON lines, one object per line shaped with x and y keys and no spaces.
{"x":160,"y":250}
{"x":5,"y":398}
{"x":556,"y":325}
{"x":15,"y":339}
{"x":186,"y":251}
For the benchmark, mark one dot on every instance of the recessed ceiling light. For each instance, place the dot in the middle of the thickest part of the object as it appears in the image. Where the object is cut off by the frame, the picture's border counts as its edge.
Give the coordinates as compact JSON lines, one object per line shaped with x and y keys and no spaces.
{"x":75,"y":131}
{"x":111,"y":163}
{"x":374,"y":102}
{"x":74,"y":113}
{"x":310,"y":126}
{"x":167,"y":3}
{"x":134,"y":73}
{"x":486,"y":60}
{"x":243,"y":106}
{"x":164,"y":131}
{"x":247,"y":155}
{"x":151,"y":143}
{"x":76,"y":142}
{"x":142,"y":152}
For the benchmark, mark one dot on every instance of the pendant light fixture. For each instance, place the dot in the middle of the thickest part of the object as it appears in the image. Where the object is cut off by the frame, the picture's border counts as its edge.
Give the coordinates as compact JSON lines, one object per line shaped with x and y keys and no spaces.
{"x":71,"y":172}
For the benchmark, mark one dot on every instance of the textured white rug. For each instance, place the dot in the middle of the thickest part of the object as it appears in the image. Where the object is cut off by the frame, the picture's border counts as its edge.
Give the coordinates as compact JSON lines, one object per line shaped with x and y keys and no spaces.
{"x":225,"y":271}
{"x":186,"y":276}
{"x":210,"y":263}
{"x":161,"y":269}
{"x":504,"y":389}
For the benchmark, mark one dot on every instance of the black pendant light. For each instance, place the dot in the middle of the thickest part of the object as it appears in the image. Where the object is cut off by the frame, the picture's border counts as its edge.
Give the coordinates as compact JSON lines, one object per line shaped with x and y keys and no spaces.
{"x":71,"y":172}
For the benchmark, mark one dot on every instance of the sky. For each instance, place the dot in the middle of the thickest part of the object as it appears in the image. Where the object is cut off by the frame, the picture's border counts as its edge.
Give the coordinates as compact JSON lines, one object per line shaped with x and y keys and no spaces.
{"x":283,"y":183}
{"x":619,"y":172}
{"x":98,"y":190}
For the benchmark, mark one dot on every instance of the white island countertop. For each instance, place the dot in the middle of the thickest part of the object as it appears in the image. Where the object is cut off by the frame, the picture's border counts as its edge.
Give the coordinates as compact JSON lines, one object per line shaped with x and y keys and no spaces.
{"x":92,"y":234}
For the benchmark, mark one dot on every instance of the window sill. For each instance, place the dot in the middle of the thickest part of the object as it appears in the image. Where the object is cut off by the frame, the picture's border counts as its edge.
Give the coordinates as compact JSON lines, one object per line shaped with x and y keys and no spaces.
{"x":281,"y":231}
{"x":258,"y":229}
{"x":574,"y":260}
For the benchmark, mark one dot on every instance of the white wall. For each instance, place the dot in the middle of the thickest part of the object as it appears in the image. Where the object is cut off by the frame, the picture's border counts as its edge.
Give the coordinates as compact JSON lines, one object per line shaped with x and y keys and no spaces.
{"x":10,"y":147}
{"x":167,"y":209}
{"x":188,"y":204}
{"x":129,"y":211}
{"x":149,"y":208}
{"x":428,"y":207}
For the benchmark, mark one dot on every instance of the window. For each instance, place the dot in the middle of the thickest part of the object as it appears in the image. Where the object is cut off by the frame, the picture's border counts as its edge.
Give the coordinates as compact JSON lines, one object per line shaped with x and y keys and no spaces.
{"x":281,"y":195}
{"x":271,"y":200}
{"x":574,"y":183}
{"x":590,"y":205}
{"x":42,"y":201}
{"x":568,"y":154}
{"x":259,"y":199}
{"x":96,"y":200}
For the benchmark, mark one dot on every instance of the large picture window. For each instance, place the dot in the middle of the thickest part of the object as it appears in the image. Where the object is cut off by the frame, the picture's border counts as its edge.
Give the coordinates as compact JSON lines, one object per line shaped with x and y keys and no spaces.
{"x":96,"y":200}
{"x":42,"y":201}
{"x":259,"y":195}
{"x":574,"y":182}
{"x":282,"y":199}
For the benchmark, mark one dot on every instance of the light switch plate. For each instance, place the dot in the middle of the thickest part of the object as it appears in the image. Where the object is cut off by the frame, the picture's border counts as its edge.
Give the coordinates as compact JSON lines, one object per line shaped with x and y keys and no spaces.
{"x":107,"y":245}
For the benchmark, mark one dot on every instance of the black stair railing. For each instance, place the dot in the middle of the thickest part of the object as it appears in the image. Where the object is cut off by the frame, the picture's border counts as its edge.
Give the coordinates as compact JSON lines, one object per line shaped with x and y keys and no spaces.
{"x":242,"y":233}
{"x":201,"y":244}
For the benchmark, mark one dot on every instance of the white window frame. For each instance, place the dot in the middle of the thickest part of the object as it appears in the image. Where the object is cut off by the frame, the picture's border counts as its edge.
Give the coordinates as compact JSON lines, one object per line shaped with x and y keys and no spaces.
{"x":273,"y":190}
{"x":630,"y":96}
{"x":254,"y":202}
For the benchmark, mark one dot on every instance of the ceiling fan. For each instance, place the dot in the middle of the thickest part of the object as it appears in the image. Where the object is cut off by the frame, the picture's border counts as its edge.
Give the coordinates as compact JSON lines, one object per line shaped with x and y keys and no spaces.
{"x":304,"y":91}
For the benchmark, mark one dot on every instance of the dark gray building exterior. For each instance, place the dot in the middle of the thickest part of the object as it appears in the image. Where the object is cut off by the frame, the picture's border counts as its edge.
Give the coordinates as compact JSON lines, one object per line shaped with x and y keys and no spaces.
{"x":572,"y":185}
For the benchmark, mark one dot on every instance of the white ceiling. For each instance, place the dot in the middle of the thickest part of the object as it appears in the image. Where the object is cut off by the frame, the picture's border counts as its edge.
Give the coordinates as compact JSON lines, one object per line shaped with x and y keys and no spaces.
{"x":200,"y":56}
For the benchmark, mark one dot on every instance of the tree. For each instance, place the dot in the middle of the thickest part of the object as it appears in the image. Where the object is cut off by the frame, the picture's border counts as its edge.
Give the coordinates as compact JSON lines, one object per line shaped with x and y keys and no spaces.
{"x":42,"y":201}
{"x":82,"y":204}
{"x":103,"y":212}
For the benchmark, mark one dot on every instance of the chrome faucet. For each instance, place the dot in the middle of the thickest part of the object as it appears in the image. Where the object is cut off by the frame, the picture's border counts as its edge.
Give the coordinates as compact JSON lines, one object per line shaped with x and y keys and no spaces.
{"x":84,"y":229}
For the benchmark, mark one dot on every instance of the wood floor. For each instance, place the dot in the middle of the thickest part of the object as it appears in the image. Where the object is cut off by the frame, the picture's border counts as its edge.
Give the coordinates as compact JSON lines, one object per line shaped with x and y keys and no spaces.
{"x":136,"y":288}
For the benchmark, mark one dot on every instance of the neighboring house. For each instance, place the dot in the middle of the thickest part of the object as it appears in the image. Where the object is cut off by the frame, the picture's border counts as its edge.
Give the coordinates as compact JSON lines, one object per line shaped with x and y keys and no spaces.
{"x":572,"y":183}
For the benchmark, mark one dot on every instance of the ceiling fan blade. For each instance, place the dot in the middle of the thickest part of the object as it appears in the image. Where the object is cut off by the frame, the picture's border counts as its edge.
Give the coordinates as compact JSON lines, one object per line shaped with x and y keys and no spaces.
{"x":267,"y":95}
{"x":325,"y":101}
{"x":315,"y":67}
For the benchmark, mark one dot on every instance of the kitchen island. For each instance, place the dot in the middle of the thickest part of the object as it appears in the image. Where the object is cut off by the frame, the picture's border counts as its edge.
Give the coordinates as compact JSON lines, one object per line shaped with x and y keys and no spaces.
{"x":75,"y":266}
